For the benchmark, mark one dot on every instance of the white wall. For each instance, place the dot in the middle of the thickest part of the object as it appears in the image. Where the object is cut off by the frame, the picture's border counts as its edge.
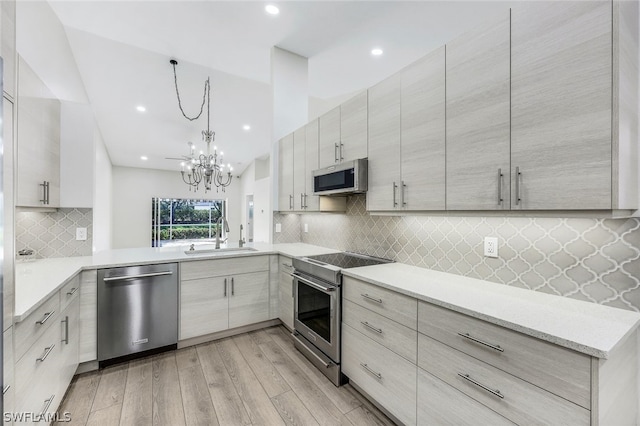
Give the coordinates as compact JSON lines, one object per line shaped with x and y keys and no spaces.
{"x":257,"y":182}
{"x":133,"y":190}
{"x":103,"y":195}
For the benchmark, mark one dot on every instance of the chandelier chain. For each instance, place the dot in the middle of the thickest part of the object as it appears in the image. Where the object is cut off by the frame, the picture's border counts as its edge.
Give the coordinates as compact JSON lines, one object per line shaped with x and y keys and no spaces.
{"x":207,"y":88}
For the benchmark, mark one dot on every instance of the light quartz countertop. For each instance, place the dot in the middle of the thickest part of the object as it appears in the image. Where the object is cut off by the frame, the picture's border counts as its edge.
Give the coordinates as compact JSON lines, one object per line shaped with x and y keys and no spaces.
{"x":38,"y":280}
{"x":582,"y":326}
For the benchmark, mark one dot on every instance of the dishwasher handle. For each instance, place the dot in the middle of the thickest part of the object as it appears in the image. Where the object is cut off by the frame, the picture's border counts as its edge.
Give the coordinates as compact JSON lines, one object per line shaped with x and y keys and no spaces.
{"x":128,"y":277}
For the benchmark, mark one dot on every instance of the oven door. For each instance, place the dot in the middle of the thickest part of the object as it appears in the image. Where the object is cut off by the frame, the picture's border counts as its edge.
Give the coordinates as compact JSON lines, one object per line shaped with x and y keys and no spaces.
{"x":317,"y":314}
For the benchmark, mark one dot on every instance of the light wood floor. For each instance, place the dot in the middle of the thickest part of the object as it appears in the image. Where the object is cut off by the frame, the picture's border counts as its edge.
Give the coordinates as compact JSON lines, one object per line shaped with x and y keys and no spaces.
{"x":256,"y":378}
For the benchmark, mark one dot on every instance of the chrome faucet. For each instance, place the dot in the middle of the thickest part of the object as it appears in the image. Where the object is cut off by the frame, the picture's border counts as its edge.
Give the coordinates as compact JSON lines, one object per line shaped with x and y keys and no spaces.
{"x":241,"y":241}
{"x":219,"y":231}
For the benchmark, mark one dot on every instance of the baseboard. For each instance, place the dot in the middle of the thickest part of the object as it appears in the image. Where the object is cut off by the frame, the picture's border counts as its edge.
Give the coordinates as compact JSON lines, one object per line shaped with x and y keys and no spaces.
{"x":85,"y":367}
{"x":227,"y":333}
{"x":374,"y":402}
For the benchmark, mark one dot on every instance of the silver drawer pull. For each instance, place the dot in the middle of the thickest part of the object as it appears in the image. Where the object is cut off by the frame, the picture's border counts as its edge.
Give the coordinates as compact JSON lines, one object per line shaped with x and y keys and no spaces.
{"x":46,"y":353}
{"x":366,"y":367}
{"x":489,"y":345}
{"x":72,"y":291}
{"x":373,"y":299}
{"x":366,"y":324}
{"x":6,"y":389}
{"x":47,"y":404}
{"x":45,"y":317}
{"x":495,"y":392}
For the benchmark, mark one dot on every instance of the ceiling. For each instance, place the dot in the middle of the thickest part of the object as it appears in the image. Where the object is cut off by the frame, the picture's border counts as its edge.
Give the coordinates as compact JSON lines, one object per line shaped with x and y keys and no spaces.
{"x":122,"y":51}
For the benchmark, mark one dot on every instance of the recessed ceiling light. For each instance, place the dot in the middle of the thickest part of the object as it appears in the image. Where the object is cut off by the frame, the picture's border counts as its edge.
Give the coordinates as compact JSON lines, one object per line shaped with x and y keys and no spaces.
{"x":272,"y":9}
{"x":246,"y":127}
{"x":376,"y":52}
{"x":140,"y":108}
{"x":144,"y":158}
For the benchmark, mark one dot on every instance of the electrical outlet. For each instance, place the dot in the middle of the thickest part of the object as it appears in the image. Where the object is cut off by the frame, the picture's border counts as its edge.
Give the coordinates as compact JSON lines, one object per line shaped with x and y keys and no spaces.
{"x":278,"y":227}
{"x":491,"y":246}
{"x":306,"y":227}
{"x":81,"y":234}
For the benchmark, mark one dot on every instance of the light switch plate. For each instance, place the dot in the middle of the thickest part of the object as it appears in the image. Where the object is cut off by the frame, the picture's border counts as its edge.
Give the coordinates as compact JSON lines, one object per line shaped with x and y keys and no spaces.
{"x":278,"y":227}
{"x":81,"y":234}
{"x":491,"y":246}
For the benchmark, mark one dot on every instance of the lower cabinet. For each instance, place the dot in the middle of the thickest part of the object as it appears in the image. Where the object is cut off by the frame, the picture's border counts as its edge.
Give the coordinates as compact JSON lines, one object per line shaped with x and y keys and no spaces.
{"x":9,"y":388}
{"x":212,"y":302}
{"x":285,"y":291}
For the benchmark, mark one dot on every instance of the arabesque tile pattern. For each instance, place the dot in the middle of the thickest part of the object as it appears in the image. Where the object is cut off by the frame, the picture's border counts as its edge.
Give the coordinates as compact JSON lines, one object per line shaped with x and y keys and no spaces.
{"x":597,"y":260}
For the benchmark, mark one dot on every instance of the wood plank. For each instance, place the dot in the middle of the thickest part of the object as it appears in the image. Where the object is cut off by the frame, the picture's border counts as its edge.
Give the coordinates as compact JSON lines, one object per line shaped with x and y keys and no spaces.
{"x":137,"y":407}
{"x":363,"y":416}
{"x":340,"y":397}
{"x":111,"y":388}
{"x":368,"y":408}
{"x":292,"y":410}
{"x":325,"y":412}
{"x":198,"y":408}
{"x":224,"y":396}
{"x":167,"y":408}
{"x":256,"y":401}
{"x":266,"y":373}
{"x":260,"y":336}
{"x":109,"y":416}
{"x":79,"y":398}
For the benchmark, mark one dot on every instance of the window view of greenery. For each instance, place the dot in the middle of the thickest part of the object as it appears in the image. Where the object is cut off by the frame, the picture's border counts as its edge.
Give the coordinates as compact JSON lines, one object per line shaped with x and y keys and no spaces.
{"x":183,"y":221}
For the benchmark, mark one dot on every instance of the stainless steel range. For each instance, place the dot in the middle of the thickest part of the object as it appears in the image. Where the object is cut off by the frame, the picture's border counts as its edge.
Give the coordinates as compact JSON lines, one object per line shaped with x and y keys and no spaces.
{"x":318,"y":307}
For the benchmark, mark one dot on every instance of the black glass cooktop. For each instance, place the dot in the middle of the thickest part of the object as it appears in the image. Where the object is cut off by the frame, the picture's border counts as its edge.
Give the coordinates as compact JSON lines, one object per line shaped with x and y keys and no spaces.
{"x":348,"y":260}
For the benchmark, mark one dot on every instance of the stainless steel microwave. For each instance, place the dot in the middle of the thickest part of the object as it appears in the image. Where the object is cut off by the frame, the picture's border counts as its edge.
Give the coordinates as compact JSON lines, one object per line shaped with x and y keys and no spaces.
{"x":349,"y":177}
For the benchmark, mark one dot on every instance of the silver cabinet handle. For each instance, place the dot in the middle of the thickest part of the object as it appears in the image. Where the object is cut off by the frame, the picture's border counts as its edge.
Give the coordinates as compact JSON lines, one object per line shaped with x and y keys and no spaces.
{"x":395,"y":187}
{"x":65,"y":321}
{"x":518,"y":174}
{"x":47,"y":404}
{"x":366,"y":367}
{"x":335,"y":153}
{"x":373,"y":299}
{"x":489,"y":345}
{"x":403,"y":203}
{"x":44,"y":192}
{"x":495,"y":392}
{"x":290,"y":202}
{"x":305,"y":201}
{"x":46,"y":353}
{"x":5,"y":389}
{"x":45,"y":318}
{"x":128,"y":277}
{"x":366,"y":324}
{"x":287,"y":265}
{"x":341,"y":146}
{"x":232,"y":287}
{"x":500,"y":175}
{"x":48,"y":198}
{"x":225,"y":287}
{"x":72,"y":291}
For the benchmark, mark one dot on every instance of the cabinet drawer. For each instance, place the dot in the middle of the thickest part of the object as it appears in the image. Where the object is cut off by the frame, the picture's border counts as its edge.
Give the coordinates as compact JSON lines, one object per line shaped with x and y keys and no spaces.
{"x":69,"y":292}
{"x":219,"y":267}
{"x":441,"y":404}
{"x":27,"y":331}
{"x":37,"y":378}
{"x":514,"y":398}
{"x":385,"y":376}
{"x":388,"y":303}
{"x":390,"y":334}
{"x":9,"y":389}
{"x":559,"y":370}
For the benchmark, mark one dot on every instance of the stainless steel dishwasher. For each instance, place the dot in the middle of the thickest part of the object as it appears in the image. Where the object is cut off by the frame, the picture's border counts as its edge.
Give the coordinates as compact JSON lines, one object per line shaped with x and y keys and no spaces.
{"x":137,"y":311}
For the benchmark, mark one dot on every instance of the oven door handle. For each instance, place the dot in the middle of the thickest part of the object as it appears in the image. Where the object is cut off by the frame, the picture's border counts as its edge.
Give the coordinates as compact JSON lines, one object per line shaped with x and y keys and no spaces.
{"x":322,"y":288}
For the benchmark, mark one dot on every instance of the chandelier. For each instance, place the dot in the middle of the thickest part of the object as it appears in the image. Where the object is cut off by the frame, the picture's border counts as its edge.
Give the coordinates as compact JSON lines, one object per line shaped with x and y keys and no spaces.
{"x":203,"y":168}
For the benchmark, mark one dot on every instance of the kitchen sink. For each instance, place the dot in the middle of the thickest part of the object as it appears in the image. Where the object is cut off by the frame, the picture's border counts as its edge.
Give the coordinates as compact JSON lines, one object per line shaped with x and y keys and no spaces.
{"x":226,"y":250}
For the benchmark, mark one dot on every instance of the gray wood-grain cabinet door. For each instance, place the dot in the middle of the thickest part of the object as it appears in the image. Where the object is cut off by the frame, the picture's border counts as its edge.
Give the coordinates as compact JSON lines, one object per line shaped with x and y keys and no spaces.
{"x":329,"y":137}
{"x":204,"y":306}
{"x":384,"y":145}
{"x":299,"y":163}
{"x":478,"y":113}
{"x":561,"y":93}
{"x":353,"y":128}
{"x":423,"y":133}
{"x":248,"y":298}
{"x":285,"y":173}
{"x":312,"y":202}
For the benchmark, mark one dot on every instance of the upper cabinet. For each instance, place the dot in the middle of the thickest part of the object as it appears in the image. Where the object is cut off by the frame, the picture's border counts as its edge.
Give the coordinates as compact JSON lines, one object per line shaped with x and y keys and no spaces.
{"x":8,"y":47}
{"x":299,"y":168}
{"x":478,"y":153}
{"x":343,"y":132}
{"x":562,"y":152}
{"x":285,"y":173}
{"x":38,"y":166}
{"x":311,"y":202}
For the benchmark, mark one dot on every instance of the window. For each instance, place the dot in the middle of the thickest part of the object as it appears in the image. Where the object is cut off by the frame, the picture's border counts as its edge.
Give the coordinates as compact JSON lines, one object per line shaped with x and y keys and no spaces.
{"x":184,"y":221}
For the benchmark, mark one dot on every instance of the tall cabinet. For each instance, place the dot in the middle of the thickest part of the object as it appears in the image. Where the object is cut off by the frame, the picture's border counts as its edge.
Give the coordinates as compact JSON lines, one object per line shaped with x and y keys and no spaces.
{"x":285,"y":173}
{"x":478,"y":110}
